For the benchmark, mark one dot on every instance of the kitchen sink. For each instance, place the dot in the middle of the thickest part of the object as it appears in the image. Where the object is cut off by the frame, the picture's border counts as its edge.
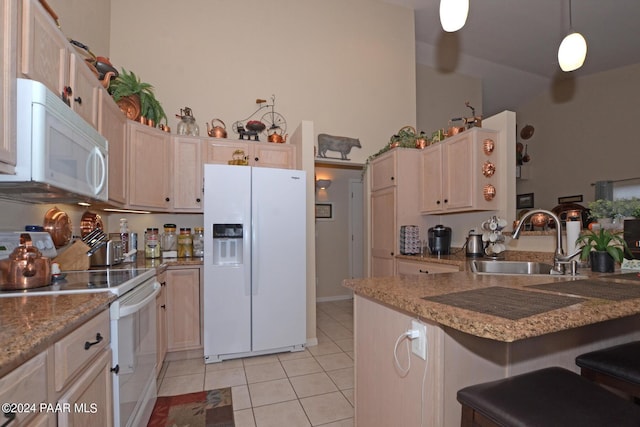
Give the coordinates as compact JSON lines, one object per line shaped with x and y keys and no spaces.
{"x":510,"y":267}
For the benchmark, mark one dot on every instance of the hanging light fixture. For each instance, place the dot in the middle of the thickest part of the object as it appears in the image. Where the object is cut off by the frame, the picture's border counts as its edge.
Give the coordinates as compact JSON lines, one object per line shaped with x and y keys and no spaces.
{"x":453,"y":14}
{"x":573,"y":49}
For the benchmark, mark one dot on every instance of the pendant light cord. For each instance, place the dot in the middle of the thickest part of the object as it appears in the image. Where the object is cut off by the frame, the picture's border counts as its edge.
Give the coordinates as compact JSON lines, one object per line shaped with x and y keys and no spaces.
{"x":570,"y":18}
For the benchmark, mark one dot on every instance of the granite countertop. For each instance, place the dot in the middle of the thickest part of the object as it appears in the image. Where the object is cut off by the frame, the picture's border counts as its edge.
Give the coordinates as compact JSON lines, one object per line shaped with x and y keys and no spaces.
{"x":458,"y":257}
{"x":30,"y":324}
{"x":406,"y":293}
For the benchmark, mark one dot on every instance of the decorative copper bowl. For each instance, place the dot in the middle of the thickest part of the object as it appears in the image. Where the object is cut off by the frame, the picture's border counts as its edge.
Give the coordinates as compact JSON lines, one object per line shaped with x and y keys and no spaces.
{"x":539,"y":220}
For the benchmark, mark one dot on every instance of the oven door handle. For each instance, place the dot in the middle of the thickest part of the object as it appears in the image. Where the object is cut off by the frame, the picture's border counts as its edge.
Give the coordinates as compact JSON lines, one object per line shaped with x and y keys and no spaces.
{"x":127,"y":310}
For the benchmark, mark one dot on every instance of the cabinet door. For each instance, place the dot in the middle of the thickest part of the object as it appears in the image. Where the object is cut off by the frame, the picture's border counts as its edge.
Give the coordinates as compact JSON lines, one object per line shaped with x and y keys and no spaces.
{"x":187,"y":174}
{"x":220,"y":151}
{"x":45,"y":51}
{"x":183,"y":309}
{"x":25,"y":384}
{"x":272,"y":155}
{"x":383,"y":172}
{"x":161,"y":326}
{"x":8,"y":17}
{"x":90,"y":396}
{"x":112,"y":124}
{"x":431,"y":199}
{"x":458,"y":183}
{"x":413,"y":268}
{"x":383,"y":225}
{"x":84,"y":87}
{"x":150,"y":167}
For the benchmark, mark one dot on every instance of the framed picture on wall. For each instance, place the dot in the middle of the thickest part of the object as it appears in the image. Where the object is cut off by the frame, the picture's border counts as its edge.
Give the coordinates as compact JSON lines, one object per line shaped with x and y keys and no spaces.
{"x":524,"y":201}
{"x":324,"y":211}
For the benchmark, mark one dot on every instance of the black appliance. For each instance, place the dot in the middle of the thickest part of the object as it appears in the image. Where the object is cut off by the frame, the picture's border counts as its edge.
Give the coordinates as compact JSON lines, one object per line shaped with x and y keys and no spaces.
{"x":632,"y":236}
{"x":439,"y":239}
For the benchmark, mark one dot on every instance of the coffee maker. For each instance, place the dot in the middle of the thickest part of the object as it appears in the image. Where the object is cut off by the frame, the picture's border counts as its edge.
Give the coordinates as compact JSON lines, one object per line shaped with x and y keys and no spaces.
{"x":439,"y":239}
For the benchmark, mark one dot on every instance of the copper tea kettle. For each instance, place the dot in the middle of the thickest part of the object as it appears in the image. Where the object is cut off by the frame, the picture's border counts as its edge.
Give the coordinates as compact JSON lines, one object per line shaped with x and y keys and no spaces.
{"x":216,"y":131}
{"x":277,"y":137}
{"x":25,"y":268}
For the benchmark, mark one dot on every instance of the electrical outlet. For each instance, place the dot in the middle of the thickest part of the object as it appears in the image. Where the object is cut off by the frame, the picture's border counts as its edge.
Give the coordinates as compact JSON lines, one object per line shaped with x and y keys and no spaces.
{"x":419,"y":345}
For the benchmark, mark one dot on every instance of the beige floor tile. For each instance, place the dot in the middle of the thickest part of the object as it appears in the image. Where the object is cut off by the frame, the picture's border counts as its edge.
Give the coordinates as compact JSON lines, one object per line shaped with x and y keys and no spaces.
{"x":341,"y":423}
{"x":226,"y":364}
{"x":328,"y":347}
{"x":313,"y":384}
{"x":301,"y":366}
{"x":268,"y":392}
{"x":240,"y":397}
{"x":264,"y":372}
{"x":258,"y":360}
{"x":185,"y":367}
{"x":345,"y":345}
{"x":224,"y":378}
{"x":331,"y":362}
{"x":173,"y":386}
{"x":343,"y":378}
{"x":326,"y":408}
{"x":350,"y":395}
{"x":338,"y":332}
{"x":244,"y":418}
{"x":322,"y":337}
{"x":294,"y":355}
{"x":286,"y":414}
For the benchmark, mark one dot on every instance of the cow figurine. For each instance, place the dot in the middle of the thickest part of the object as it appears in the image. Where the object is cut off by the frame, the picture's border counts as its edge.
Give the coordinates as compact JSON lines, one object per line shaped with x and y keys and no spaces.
{"x":341,"y":144}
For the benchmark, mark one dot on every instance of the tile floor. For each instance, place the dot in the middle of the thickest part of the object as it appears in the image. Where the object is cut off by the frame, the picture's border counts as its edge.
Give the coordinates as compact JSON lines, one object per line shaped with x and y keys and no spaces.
{"x":313,"y":387}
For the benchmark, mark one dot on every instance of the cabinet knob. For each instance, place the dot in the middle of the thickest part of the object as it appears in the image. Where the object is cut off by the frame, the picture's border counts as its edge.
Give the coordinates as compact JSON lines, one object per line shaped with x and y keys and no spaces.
{"x":78,"y":100}
{"x":424,"y":271}
{"x":198,"y":200}
{"x":437,"y":202}
{"x":392,"y":254}
{"x":163,"y":306}
{"x":163,"y":283}
{"x":256,"y":158}
{"x":393,"y":178}
{"x":446,"y":200}
{"x":166,"y":199}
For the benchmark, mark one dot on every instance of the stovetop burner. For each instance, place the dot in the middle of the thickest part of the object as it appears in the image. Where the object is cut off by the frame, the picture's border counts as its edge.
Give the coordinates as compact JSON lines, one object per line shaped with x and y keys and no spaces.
{"x":116,"y":281}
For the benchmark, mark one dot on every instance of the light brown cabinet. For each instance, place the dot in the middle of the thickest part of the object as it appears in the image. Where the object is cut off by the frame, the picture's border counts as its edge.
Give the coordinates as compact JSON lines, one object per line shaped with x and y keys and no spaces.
{"x":150,"y":167}
{"x":26,"y":384}
{"x":48,"y":57}
{"x":394,"y":202}
{"x":461,"y":174}
{"x":183,"y":309}
{"x":418,"y":268}
{"x":8,"y":36}
{"x":187,"y":174}
{"x":262,"y":154}
{"x":161,"y":321}
{"x":112,"y":124}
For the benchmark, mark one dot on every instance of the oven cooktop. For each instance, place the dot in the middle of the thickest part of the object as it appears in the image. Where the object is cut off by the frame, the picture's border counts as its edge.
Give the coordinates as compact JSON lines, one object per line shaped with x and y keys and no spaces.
{"x":116,"y":281}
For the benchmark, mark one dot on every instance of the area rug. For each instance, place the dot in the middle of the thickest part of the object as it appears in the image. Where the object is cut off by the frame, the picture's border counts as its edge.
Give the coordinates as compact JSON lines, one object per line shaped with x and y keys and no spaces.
{"x":211,"y":408}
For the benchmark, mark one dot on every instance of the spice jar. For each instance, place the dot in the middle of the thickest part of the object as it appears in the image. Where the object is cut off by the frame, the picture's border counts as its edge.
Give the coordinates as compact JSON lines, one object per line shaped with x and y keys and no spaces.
{"x":169,"y":240}
{"x":151,"y":243}
{"x":198,"y":241}
{"x":185,"y":243}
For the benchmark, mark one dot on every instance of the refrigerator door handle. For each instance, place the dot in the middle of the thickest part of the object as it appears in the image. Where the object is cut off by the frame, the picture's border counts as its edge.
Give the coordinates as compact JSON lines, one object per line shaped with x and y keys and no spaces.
{"x":255,"y":251}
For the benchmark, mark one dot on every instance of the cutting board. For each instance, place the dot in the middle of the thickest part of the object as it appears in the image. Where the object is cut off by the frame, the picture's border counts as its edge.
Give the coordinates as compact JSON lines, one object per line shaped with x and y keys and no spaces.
{"x":74,"y":257}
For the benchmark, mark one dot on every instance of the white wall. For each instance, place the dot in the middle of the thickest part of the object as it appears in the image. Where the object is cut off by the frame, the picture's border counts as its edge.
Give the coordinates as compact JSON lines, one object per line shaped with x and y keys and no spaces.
{"x":349,"y":66}
{"x":583,"y":133}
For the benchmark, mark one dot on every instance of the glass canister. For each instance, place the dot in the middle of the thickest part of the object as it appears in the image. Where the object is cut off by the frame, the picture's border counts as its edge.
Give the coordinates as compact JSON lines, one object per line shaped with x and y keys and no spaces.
{"x":169,"y":241}
{"x":185,"y":243}
{"x":151,"y":243}
{"x":187,"y":124}
{"x":198,"y":241}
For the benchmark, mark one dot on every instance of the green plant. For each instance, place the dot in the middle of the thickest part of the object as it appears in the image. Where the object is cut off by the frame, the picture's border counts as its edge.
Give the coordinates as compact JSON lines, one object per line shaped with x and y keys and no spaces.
{"x":603,"y":240}
{"x":601,"y":209}
{"x":626,"y":207}
{"x":128,"y":84}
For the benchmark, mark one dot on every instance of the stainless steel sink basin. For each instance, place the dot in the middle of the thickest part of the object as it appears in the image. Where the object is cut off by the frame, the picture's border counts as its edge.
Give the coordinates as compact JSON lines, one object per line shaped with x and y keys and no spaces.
{"x":510,"y":267}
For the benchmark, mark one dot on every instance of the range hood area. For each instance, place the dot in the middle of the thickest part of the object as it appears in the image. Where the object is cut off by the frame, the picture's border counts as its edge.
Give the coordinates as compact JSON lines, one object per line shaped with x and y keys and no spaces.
{"x":60,"y":157}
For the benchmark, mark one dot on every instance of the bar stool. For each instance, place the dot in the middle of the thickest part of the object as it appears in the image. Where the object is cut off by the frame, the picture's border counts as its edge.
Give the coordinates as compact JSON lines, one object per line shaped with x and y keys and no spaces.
{"x":546,"y":398}
{"x":617,"y":367}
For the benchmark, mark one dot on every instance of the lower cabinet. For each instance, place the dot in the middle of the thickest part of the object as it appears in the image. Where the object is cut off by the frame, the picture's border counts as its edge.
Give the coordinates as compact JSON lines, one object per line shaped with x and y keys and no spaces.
{"x":416,"y":268}
{"x":161,"y":321}
{"x":183,"y":309}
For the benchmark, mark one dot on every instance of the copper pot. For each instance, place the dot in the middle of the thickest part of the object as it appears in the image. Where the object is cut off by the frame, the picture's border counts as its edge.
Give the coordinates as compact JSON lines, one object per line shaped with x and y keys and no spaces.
{"x":277,"y":138}
{"x":216,"y":131}
{"x":25,"y":268}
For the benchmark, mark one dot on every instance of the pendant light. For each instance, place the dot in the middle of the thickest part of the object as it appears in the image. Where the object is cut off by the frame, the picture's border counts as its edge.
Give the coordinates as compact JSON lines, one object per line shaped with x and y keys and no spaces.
{"x":453,"y":14}
{"x":573,"y":49}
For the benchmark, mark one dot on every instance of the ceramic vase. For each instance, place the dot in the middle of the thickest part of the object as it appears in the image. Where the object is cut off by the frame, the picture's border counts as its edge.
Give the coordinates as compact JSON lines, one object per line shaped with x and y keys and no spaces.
{"x":601,"y":262}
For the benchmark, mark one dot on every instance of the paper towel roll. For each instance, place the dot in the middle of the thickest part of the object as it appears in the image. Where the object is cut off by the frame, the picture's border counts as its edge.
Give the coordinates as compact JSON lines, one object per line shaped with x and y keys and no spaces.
{"x":573,"y":232}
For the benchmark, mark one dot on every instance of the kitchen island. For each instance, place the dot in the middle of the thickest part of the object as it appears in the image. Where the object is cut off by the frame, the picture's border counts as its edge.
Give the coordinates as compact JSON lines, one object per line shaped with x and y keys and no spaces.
{"x":479,"y":328}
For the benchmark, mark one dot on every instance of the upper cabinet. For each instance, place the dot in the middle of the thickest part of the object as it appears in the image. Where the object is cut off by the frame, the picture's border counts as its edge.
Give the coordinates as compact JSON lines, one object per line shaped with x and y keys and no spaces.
{"x":8,"y":17}
{"x":187,"y":174}
{"x":112,"y":124}
{"x":261,"y":154}
{"x":461,"y":174}
{"x":48,"y":57}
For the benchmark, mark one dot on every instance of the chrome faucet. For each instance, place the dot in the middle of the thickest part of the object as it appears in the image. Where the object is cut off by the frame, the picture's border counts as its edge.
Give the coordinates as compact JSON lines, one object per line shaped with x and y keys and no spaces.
{"x":559,"y":258}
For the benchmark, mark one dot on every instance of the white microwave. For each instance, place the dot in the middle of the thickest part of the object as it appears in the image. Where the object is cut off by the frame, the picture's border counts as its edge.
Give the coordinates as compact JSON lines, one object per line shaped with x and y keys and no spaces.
{"x":60,"y":157}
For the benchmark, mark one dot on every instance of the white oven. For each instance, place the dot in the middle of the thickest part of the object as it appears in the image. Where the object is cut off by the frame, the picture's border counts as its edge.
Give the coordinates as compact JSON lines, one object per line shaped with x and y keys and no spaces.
{"x":133,"y":343}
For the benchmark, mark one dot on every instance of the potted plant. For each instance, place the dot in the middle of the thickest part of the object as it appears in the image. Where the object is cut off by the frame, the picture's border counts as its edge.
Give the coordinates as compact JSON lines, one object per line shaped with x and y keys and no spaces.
{"x":136,"y":98}
{"x":603,"y":248}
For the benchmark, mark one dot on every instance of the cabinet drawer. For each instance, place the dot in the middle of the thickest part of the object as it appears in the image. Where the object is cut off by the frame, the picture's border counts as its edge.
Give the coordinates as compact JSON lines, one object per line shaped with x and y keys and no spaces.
{"x":72,"y":352}
{"x":416,"y":268}
{"x":26,"y":384}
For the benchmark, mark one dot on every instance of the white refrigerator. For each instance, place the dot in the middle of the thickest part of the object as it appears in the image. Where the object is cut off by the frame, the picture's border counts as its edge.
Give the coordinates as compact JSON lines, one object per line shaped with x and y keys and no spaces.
{"x":254,"y":261}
